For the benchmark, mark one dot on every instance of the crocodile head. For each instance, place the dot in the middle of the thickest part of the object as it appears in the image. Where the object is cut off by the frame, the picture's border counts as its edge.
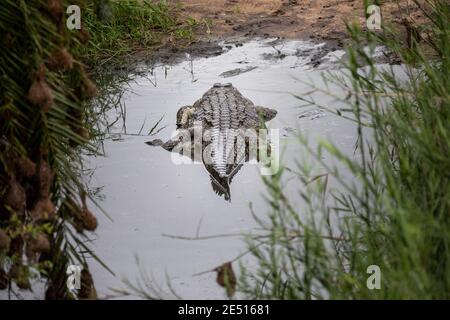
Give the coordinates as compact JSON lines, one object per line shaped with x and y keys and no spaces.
{"x":184,"y":115}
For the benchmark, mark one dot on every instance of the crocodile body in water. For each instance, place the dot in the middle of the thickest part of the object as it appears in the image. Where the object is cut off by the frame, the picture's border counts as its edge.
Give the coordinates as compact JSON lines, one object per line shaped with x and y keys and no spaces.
{"x":227,"y":126}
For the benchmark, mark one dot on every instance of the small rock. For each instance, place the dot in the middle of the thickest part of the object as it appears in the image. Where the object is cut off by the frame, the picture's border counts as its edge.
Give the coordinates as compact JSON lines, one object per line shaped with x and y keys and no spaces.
{"x":312,"y":114}
{"x":288,"y":131}
{"x":237,"y":71}
{"x":155,"y":143}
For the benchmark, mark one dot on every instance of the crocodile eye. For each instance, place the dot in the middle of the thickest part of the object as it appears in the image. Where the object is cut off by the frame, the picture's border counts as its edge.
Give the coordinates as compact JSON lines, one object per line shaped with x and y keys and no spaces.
{"x":217,"y":85}
{"x":228,"y":84}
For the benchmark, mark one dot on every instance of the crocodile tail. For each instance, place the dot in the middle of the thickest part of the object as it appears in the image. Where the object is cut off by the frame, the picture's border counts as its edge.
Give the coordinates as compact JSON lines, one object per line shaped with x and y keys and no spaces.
{"x":221,"y":186}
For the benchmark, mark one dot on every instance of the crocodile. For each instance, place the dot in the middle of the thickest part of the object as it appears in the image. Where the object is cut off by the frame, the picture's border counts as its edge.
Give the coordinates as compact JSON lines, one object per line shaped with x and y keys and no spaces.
{"x":225,"y":118}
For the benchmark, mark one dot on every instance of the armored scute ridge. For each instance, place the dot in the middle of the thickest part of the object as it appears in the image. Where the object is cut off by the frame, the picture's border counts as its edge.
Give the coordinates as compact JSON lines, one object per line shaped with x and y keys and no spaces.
{"x":225,"y":116}
{"x":224,"y":111}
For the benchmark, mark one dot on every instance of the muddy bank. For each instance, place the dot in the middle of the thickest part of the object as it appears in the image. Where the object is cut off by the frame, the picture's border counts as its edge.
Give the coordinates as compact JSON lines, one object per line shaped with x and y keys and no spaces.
{"x":224,"y":24}
{"x":320,"y":55}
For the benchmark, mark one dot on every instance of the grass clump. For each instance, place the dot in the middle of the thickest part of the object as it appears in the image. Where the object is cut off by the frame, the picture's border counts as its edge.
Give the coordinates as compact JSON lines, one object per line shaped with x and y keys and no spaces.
{"x":395,"y":213}
{"x":122,"y":28}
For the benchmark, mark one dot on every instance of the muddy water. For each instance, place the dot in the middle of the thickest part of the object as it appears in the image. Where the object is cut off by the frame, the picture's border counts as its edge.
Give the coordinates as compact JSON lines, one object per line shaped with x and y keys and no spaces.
{"x":149,"y":197}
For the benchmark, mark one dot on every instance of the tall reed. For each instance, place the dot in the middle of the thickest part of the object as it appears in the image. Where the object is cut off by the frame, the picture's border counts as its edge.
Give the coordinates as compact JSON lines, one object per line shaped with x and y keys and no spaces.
{"x":395,"y":212}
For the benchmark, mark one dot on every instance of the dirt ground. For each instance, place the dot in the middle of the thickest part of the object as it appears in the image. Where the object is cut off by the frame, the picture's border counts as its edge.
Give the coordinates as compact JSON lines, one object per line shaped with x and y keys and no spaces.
{"x":235,"y":21}
{"x":291,"y":19}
